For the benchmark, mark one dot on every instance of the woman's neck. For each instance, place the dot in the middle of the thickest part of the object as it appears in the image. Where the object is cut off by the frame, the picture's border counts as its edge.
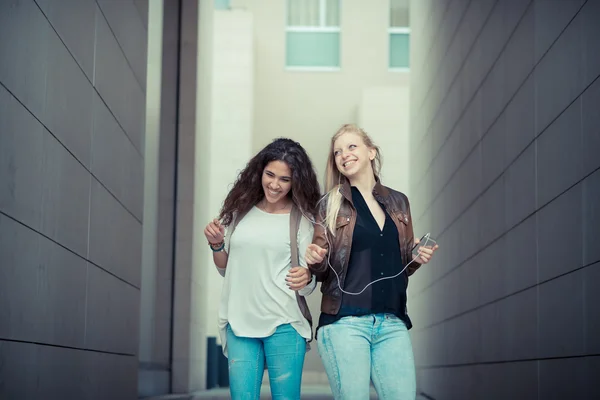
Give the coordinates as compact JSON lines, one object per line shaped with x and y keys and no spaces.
{"x":364,"y":183}
{"x":275,"y":207}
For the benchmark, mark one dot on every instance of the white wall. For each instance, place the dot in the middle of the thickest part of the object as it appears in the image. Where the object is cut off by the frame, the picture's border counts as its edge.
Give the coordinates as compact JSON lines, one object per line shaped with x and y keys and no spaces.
{"x":231,"y":124}
{"x":384,"y":115}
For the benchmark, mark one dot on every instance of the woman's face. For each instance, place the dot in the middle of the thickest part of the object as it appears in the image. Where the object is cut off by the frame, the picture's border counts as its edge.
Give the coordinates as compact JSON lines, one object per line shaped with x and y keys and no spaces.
{"x":276,"y":181}
{"x":352,"y":156}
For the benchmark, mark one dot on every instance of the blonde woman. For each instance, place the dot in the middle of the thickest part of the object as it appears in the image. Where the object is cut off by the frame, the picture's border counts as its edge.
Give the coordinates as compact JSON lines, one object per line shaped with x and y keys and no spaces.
{"x":360,"y":251}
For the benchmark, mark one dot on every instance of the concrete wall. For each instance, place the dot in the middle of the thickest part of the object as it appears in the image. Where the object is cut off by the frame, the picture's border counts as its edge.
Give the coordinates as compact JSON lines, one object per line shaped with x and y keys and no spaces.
{"x":168,"y":354}
{"x":72,"y":103}
{"x":188,"y":340}
{"x":157,"y":243}
{"x":504,"y":104}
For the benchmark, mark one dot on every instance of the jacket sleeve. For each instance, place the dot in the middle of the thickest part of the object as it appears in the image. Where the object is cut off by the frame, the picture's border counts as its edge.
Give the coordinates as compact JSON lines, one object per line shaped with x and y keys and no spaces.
{"x":410,"y":240}
{"x":321,"y":270}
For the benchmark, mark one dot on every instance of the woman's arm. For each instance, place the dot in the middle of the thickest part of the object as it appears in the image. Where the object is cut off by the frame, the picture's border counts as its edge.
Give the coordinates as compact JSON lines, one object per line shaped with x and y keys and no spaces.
{"x":305,"y":237}
{"x":220,"y":260}
{"x":316,"y":253}
{"x":218,"y":240}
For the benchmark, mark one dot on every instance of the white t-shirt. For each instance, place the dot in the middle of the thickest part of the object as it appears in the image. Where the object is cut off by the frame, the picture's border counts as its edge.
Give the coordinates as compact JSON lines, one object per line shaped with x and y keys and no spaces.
{"x":255,"y":299}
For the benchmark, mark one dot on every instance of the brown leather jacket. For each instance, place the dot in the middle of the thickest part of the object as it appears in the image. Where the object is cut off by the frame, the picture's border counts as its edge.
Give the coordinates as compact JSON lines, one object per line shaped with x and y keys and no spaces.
{"x":397,"y":206}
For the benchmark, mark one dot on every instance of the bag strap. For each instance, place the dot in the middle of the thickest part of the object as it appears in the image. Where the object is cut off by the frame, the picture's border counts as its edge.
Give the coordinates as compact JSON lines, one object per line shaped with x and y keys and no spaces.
{"x":231,"y":228}
{"x":294,"y":226}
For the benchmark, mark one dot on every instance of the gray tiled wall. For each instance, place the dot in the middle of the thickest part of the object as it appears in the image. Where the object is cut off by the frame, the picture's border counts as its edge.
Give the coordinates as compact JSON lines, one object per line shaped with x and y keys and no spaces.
{"x":72,"y":104}
{"x":506,"y":124}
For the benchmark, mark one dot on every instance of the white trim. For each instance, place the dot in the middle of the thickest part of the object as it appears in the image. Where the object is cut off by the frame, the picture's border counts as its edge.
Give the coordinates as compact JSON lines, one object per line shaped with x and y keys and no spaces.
{"x":312,"y":69}
{"x":319,"y":29}
{"x":399,"y":30}
{"x":398,"y":69}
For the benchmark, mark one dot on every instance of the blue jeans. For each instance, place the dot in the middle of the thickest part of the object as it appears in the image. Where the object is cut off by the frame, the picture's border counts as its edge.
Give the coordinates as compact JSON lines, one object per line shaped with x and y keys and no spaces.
{"x":374,"y":347}
{"x":284,"y":351}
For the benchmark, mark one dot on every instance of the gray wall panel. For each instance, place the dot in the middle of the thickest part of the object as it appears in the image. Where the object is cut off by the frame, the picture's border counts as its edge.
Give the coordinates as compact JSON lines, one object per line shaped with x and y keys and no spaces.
{"x":68,"y":106}
{"x":507,"y":181}
{"x":115,"y":161}
{"x":112,"y":307}
{"x":42,"y":288}
{"x":65,"y":196}
{"x":115,"y":236}
{"x":25,"y":74}
{"x":57,"y":63}
{"x":21,"y":151}
{"x":74,"y":21}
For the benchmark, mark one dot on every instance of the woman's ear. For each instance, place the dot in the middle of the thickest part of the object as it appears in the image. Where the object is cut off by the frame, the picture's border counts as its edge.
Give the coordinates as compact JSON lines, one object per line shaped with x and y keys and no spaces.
{"x":372,"y":154}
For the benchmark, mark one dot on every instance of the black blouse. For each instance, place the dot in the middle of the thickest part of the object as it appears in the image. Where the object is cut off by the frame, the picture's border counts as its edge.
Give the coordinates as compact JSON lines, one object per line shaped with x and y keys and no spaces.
{"x":375,"y":254}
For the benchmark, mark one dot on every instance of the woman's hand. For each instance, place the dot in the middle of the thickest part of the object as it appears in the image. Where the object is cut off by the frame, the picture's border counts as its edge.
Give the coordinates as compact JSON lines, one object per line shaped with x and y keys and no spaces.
{"x":315,"y":254}
{"x":425,"y":253}
{"x":298,"y":277}
{"x":214,"y":232}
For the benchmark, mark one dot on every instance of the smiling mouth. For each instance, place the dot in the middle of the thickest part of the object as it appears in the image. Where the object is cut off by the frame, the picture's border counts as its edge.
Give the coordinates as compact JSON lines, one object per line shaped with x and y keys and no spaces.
{"x":273,"y":193}
{"x":348,"y":163}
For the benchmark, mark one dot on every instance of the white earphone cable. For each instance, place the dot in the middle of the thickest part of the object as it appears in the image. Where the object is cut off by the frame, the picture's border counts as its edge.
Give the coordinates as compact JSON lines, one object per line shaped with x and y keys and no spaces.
{"x":426,"y":238}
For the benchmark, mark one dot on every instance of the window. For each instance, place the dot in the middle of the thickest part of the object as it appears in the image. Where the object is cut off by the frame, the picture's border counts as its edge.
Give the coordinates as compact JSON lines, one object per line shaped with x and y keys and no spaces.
{"x":313,"y":35}
{"x":399,"y":32}
{"x":222,"y":4}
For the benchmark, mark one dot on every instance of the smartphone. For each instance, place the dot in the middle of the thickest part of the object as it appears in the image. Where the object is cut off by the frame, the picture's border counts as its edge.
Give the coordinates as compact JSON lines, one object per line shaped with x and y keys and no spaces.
{"x":426,"y":240}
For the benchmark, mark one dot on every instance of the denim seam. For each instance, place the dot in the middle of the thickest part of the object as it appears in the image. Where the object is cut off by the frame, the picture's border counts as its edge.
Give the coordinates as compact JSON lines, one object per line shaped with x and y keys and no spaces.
{"x":374,"y":364}
{"x":333,"y":361}
{"x":256,"y":381}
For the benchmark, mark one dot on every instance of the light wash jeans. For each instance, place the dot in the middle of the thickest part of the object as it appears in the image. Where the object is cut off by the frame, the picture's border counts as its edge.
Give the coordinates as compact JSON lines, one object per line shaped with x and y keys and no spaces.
{"x":284,"y":351}
{"x":377,"y":347}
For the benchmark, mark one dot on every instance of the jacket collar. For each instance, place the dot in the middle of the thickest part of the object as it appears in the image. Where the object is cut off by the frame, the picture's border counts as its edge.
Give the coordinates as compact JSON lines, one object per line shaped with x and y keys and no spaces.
{"x":379,"y":191}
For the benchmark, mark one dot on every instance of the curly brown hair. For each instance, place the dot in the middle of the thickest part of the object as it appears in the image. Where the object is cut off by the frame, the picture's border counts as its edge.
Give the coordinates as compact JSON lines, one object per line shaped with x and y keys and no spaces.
{"x":247,"y":190}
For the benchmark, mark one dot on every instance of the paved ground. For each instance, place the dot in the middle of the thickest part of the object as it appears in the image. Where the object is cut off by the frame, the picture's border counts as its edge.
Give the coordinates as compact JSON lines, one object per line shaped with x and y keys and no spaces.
{"x":309,"y":392}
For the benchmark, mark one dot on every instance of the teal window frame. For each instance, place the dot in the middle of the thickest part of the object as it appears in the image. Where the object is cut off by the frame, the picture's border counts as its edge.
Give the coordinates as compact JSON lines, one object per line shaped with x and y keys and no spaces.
{"x":313,"y":39}
{"x":399,"y":38}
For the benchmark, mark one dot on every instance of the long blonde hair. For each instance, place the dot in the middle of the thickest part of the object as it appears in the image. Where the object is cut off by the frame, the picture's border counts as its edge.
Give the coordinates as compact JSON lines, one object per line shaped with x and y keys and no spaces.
{"x":334,"y":178}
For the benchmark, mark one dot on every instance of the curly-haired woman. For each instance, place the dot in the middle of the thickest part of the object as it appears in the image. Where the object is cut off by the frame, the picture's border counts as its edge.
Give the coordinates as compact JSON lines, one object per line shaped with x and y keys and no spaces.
{"x":263,"y":315}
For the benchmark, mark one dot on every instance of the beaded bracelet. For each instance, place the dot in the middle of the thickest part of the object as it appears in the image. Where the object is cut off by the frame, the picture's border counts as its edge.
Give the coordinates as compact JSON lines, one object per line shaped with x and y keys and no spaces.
{"x":216,"y":247}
